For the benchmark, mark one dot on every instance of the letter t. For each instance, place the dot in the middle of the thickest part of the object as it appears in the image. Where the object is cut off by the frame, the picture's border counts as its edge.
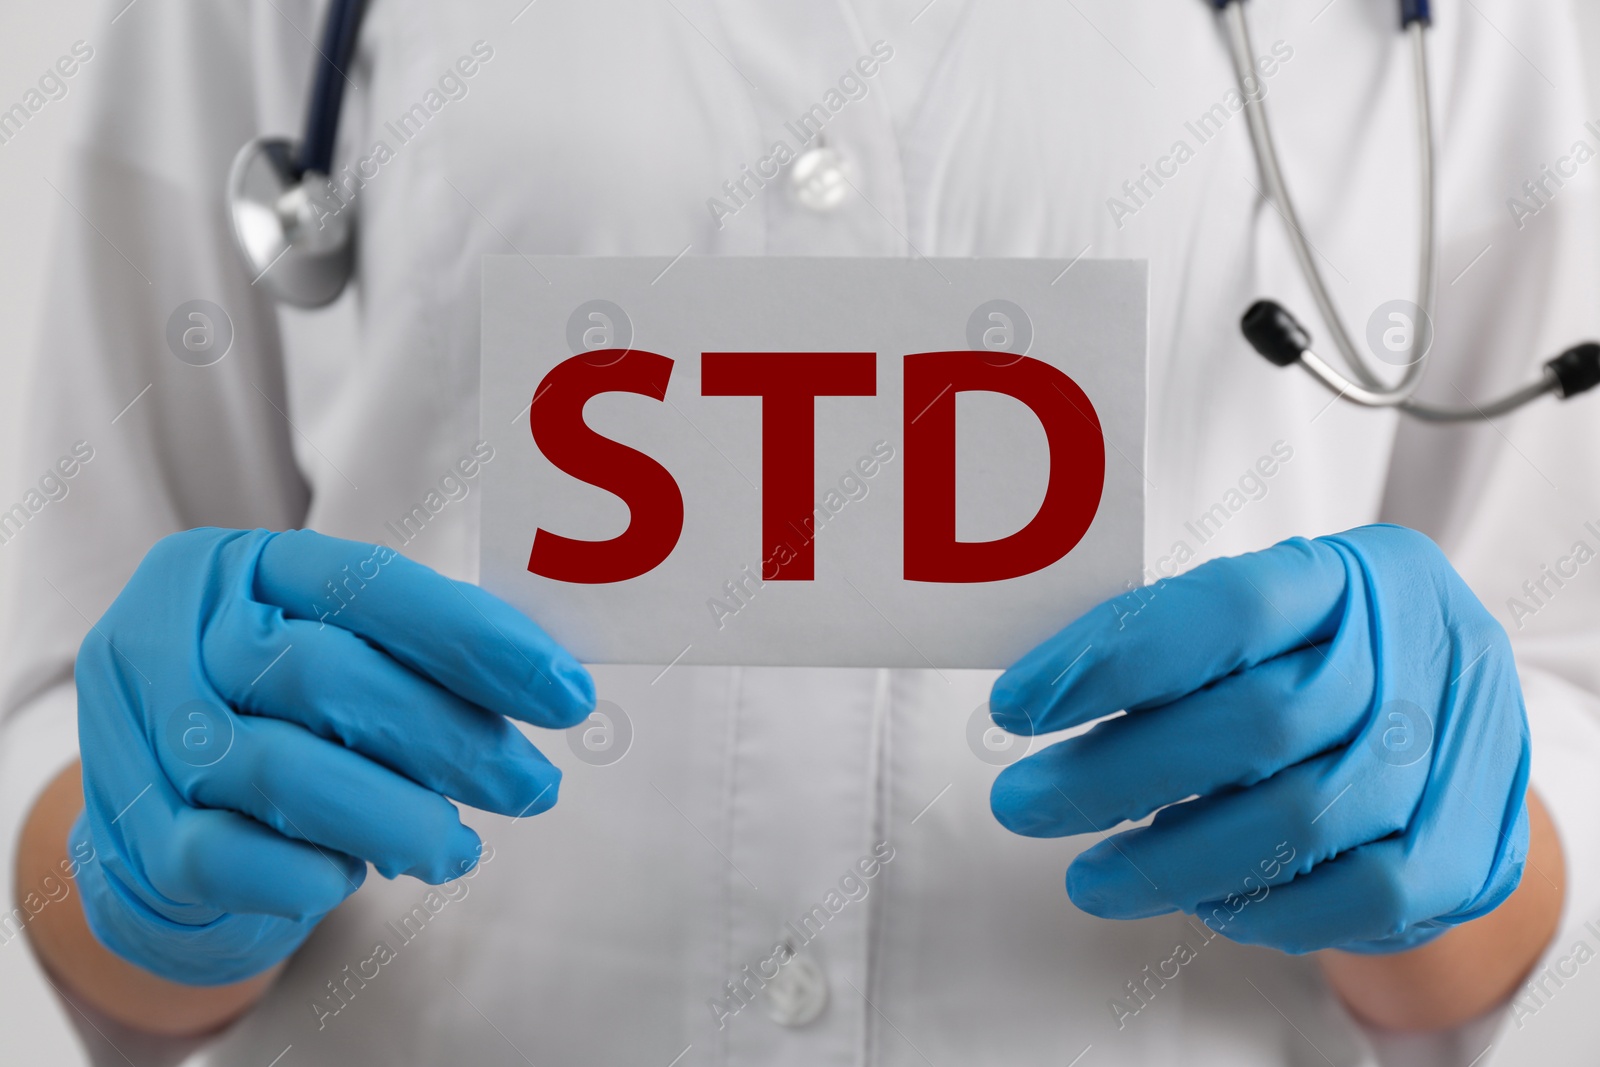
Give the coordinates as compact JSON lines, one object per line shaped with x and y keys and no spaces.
{"x":788,"y":384}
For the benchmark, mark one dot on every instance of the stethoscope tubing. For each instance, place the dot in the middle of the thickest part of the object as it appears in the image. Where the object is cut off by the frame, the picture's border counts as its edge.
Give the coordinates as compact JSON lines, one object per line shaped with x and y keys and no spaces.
{"x":339,"y":31}
{"x":1371,"y":389}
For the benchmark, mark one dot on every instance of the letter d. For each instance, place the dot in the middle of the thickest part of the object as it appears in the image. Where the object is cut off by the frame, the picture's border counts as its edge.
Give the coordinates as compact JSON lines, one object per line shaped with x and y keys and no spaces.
{"x":1077,"y":467}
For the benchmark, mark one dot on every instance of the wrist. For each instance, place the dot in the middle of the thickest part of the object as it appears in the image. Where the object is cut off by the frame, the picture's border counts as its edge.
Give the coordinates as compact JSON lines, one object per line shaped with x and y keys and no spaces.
{"x":80,"y":966}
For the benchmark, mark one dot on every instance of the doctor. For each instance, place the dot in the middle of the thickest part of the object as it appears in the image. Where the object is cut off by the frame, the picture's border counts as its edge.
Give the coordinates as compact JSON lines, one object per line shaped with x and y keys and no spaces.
{"x":805,"y":866}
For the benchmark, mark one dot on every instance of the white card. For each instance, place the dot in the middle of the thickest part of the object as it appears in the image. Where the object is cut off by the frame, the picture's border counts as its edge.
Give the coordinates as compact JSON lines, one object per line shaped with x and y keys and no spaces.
{"x":646,"y":525}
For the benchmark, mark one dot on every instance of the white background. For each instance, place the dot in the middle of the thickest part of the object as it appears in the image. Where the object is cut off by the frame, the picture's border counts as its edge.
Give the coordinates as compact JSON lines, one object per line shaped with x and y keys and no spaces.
{"x":32,"y":1030}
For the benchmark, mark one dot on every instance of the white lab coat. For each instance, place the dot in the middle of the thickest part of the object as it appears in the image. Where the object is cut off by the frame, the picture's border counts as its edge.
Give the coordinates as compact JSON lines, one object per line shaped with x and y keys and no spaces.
{"x":598,"y":933}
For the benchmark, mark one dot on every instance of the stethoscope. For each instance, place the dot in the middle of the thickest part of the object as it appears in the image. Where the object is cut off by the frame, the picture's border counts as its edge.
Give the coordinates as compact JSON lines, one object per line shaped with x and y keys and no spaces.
{"x":301,"y":250}
{"x":1274,"y":333}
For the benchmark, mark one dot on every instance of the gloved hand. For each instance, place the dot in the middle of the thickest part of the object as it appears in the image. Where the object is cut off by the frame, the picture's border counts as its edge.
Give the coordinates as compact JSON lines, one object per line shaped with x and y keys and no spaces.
{"x":1347,"y":715}
{"x":262,"y":715}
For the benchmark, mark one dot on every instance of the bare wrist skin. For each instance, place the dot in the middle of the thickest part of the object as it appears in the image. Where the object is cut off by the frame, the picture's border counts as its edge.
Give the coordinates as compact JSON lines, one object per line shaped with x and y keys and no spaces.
{"x":83,"y":968}
{"x":1470,"y":970}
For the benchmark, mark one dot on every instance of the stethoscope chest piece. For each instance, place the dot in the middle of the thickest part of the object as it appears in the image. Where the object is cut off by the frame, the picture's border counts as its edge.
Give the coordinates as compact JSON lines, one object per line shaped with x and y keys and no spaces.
{"x":296,"y":245}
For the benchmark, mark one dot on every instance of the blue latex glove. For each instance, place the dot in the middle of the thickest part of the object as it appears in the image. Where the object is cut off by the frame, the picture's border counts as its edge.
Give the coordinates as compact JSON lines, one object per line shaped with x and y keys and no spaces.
{"x":262,"y":715}
{"x":1347,"y":715}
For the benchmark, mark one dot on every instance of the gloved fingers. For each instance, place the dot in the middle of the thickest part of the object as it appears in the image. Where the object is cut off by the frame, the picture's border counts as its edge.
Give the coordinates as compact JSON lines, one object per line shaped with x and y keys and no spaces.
{"x":1211,"y":848}
{"x":1170,"y":639}
{"x":339,"y":687}
{"x":1367,"y":894}
{"x":472,"y":643}
{"x":322,"y":793}
{"x":1234,"y":733}
{"x":235,"y":864}
{"x":202,"y":862}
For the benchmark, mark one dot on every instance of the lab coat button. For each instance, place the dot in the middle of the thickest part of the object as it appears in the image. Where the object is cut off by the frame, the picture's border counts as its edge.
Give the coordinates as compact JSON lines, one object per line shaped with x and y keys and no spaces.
{"x":798,"y":994}
{"x":818,"y":179}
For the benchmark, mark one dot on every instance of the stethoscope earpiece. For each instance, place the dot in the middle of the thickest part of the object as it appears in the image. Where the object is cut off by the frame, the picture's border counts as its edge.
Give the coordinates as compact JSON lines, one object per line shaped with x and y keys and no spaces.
{"x":1577,"y":370}
{"x":1275,"y":333}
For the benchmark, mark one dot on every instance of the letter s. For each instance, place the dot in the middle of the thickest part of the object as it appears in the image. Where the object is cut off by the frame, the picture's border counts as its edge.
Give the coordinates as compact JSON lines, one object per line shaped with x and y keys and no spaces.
{"x":483,"y":50}
{"x":655,"y":503}
{"x":83,"y":50}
